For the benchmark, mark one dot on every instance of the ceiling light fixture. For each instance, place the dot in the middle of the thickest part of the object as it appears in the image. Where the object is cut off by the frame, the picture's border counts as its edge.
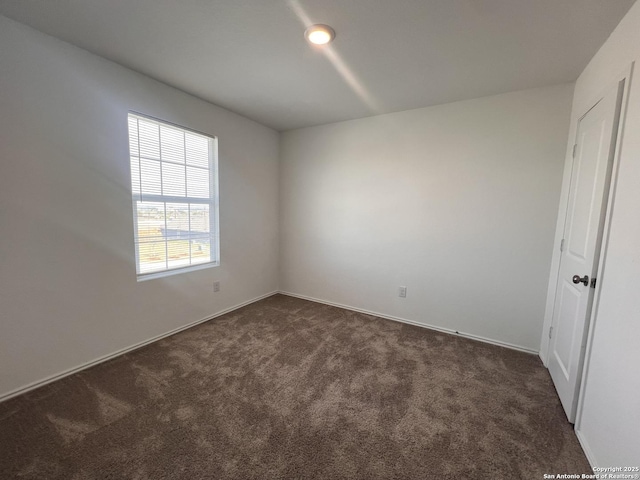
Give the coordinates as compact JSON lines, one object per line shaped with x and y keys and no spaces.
{"x":319,"y":34}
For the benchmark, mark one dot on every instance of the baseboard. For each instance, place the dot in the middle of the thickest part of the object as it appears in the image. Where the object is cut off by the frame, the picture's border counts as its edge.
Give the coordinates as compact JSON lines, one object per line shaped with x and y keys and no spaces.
{"x":84,"y":366}
{"x":543,"y":359}
{"x":71,"y":371}
{"x":413,"y":322}
{"x":587,"y":451}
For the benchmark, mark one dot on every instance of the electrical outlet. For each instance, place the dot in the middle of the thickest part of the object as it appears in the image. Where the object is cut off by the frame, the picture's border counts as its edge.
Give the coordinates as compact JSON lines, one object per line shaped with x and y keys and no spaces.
{"x":216,"y":286}
{"x":402,"y":292}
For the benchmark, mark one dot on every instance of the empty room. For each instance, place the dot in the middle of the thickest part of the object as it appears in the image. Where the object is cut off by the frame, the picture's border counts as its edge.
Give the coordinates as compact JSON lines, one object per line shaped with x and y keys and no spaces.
{"x":319,"y":239}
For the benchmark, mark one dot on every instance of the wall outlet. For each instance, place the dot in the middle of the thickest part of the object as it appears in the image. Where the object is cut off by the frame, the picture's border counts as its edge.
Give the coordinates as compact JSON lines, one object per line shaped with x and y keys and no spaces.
{"x":402,"y":292}
{"x":216,"y":286}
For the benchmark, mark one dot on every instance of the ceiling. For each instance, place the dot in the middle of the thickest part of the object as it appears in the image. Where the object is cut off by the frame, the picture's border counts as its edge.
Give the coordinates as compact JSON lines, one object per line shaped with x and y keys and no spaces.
{"x":250,"y":56}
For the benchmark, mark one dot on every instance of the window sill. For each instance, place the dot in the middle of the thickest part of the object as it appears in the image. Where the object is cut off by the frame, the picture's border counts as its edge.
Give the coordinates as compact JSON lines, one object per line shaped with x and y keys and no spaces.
{"x":168,"y":273}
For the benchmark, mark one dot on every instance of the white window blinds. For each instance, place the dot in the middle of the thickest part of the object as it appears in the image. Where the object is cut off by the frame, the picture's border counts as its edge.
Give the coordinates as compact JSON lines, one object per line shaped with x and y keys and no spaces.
{"x":174,"y":189}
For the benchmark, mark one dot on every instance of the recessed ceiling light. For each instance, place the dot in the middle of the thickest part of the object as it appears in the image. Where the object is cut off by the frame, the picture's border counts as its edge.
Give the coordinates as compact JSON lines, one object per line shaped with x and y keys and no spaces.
{"x":319,"y":34}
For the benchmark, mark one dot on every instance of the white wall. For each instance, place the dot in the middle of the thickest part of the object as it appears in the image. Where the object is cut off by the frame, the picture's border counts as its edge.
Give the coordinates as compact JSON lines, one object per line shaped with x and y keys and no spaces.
{"x":609,"y":412}
{"x":68,"y":290}
{"x":458,"y":202}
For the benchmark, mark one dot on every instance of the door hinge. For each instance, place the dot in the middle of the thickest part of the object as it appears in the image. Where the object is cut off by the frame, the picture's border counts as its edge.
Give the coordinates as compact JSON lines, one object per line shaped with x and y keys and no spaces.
{"x":550,"y":330}
{"x":575,"y":148}
{"x":562,"y":245}
{"x":593,"y":283}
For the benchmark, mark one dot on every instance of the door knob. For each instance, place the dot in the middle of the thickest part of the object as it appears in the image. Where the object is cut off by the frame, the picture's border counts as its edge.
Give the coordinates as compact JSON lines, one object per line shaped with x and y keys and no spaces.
{"x":584,"y":280}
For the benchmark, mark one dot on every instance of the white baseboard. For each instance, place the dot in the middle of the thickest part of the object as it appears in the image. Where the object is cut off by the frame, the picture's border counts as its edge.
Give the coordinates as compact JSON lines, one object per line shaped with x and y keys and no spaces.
{"x":84,"y":366}
{"x":543,"y":358}
{"x":418,"y":324}
{"x":71,"y":371}
{"x":585,"y":447}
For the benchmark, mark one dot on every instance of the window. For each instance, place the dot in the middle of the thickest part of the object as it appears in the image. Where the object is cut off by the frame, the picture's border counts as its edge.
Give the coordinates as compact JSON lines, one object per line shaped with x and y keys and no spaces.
{"x":175,"y":199}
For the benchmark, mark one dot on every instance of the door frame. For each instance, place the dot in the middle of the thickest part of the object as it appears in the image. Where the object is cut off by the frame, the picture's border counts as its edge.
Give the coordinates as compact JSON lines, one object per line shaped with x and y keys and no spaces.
{"x":626,"y":77}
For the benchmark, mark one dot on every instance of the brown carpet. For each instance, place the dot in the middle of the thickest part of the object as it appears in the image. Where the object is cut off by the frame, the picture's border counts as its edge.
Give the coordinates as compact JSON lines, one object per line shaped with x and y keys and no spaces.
{"x":286,"y":388}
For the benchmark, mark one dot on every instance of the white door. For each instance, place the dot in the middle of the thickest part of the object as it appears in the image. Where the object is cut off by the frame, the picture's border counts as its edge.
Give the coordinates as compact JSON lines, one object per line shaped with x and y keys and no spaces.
{"x":590,"y":176}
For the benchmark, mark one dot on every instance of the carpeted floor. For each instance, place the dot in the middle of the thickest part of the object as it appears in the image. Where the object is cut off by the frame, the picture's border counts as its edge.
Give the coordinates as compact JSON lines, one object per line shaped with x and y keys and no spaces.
{"x":286,"y":388}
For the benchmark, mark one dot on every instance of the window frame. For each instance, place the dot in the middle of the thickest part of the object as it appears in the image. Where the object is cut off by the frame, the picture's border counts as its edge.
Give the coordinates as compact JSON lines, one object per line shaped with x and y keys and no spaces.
{"x":212,"y":201}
